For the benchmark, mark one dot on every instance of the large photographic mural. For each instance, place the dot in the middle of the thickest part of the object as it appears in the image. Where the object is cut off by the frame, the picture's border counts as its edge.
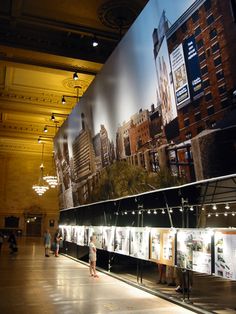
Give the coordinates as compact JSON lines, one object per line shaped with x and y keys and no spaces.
{"x":148,"y":107}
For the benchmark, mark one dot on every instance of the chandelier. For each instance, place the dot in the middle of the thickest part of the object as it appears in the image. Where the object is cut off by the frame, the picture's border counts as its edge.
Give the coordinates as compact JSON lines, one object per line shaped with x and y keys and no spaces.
{"x":40,"y":188}
{"x":50,"y":178}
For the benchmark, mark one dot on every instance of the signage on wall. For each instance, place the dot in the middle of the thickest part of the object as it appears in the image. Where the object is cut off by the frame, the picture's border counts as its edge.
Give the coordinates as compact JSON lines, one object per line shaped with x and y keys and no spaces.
{"x":193,"y":67}
{"x":180,"y":77}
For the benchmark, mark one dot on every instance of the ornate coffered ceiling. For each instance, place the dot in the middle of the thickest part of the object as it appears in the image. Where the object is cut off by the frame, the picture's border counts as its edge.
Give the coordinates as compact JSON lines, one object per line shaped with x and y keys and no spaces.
{"x":42,"y":43}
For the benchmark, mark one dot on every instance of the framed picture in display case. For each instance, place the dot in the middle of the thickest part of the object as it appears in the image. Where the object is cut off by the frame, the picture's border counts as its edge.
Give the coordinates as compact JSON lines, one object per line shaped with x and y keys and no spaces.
{"x":122,"y":236}
{"x":168,"y":247}
{"x":97,"y":232}
{"x":225,"y":254}
{"x":66,"y":233}
{"x":73,"y":234}
{"x":108,"y":238}
{"x":162,"y":246}
{"x":155,"y":244}
{"x":194,"y":250}
{"x":80,"y":235}
{"x":139,"y":242}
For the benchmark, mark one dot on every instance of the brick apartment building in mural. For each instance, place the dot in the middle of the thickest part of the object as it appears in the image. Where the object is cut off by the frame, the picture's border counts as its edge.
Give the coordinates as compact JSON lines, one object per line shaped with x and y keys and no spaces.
{"x":212,"y":25}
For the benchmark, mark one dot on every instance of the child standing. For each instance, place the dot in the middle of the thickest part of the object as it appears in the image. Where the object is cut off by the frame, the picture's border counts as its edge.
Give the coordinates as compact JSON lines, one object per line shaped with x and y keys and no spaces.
{"x":92,"y":257}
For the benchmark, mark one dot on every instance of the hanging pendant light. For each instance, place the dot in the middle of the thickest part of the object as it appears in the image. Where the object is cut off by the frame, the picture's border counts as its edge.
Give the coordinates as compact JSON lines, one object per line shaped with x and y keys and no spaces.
{"x":51,"y":179}
{"x":41,"y":188}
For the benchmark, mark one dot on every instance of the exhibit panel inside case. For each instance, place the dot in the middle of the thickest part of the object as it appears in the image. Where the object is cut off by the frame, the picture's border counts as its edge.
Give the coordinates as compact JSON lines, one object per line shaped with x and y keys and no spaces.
{"x":194,"y":250}
{"x":66,"y":232}
{"x":225,"y":254}
{"x":80,"y":235}
{"x":139,"y":242}
{"x":162,"y":246}
{"x":122,"y":237}
{"x":108,"y":238}
{"x":97,"y":231}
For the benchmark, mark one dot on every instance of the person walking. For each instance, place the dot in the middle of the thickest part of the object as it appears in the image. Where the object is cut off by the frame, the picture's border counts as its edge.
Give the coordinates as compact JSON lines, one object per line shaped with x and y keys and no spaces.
{"x":47,"y":242}
{"x":92,"y":257}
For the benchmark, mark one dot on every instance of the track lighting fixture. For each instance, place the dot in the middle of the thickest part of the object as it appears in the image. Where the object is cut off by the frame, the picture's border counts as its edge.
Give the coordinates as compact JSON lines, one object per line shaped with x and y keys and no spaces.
{"x":95,"y":41}
{"x":227,"y":206}
{"x":45,"y":130}
{"x":53,"y":117}
{"x":63,"y":100}
{"x":75,"y":76}
{"x":214,"y":207}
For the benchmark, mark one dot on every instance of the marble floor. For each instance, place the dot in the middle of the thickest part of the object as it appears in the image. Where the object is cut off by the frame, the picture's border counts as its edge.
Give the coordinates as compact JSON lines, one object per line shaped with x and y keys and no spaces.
{"x":32,"y":283}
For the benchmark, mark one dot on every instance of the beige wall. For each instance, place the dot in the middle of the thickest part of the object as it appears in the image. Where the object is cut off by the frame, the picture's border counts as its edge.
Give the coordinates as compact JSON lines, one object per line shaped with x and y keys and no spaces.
{"x":18,"y":173}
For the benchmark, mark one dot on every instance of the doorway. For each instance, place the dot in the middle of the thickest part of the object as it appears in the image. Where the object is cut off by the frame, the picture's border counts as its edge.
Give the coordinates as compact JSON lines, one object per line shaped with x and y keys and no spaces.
{"x":33,"y":226}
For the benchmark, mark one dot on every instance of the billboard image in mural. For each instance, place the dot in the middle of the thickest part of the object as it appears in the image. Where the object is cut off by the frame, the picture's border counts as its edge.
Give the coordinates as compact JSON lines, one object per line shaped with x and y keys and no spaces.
{"x":179,"y":75}
{"x":149,"y":97}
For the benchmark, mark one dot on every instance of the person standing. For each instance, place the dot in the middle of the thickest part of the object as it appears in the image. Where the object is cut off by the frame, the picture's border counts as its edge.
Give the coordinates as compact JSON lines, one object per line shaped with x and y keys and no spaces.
{"x":57,"y":240}
{"x":92,"y":257}
{"x":12,"y":243}
{"x":47,"y":242}
{"x":1,"y":241}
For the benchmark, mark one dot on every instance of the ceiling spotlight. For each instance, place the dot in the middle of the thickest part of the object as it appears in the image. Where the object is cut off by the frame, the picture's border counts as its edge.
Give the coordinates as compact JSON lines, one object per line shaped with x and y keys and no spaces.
{"x":139,"y":212}
{"x":133,"y":212}
{"x":203,"y":208}
{"x":214,"y":207}
{"x":191,"y":208}
{"x":180,"y":209}
{"x":63,"y":101}
{"x":226,"y":214}
{"x":149,"y":212}
{"x":45,"y":129}
{"x":233,"y":213}
{"x":75,"y":76}
{"x":125,"y":212}
{"x":227,"y":206}
{"x":53,"y":117}
{"x":209,"y":215}
{"x":163,"y":211}
{"x":217,"y":214}
{"x":171,"y":210}
{"x":39,"y":140}
{"x":155,"y":212}
{"x":95,"y":41}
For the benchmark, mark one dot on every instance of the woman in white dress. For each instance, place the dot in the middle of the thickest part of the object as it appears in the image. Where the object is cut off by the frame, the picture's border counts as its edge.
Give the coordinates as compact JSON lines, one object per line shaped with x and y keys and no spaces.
{"x":92,"y":257}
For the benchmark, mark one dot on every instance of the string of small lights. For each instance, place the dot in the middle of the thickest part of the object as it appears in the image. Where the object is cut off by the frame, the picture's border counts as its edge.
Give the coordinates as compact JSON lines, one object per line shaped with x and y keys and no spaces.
{"x":190,"y":208}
